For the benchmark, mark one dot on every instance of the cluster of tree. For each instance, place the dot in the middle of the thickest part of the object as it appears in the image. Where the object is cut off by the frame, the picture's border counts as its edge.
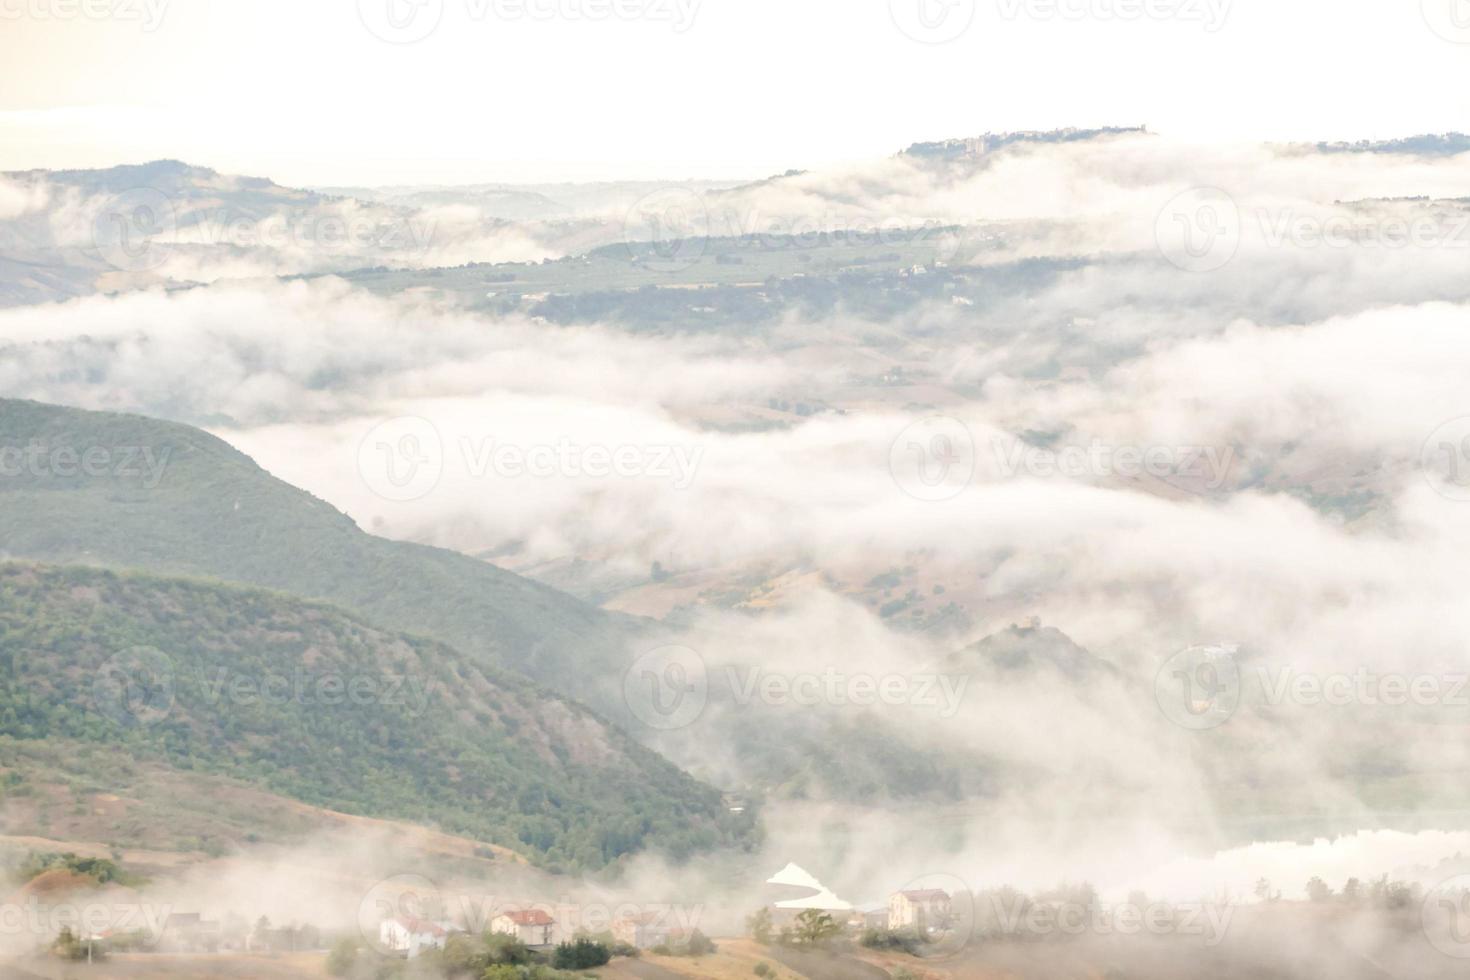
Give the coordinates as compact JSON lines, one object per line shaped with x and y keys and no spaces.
{"x":69,"y":946}
{"x":101,"y":870}
{"x":812,"y":927}
{"x":490,"y":956}
{"x":1377,"y":894}
{"x":909,"y":941}
{"x":698,"y":944}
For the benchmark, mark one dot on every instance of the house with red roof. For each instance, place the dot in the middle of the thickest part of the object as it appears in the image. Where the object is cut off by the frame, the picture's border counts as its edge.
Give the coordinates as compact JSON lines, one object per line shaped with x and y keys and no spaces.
{"x":410,"y":936}
{"x":534,"y":927}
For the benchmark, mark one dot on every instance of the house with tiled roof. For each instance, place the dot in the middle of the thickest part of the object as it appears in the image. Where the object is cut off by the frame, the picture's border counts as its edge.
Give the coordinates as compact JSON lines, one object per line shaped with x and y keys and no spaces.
{"x":409,"y":936}
{"x":534,"y":927}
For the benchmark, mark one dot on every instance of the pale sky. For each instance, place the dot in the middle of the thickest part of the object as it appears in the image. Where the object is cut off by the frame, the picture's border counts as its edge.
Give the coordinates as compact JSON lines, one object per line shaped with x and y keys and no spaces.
{"x":304,"y":92}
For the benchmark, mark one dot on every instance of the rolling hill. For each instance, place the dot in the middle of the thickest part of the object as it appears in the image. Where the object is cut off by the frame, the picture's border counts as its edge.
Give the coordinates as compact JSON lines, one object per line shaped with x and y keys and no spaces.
{"x":176,"y":500}
{"x":310,"y":702}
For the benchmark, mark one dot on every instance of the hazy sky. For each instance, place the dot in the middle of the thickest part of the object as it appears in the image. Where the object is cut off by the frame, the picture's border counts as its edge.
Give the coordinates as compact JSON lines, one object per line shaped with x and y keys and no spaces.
{"x":306,"y":92}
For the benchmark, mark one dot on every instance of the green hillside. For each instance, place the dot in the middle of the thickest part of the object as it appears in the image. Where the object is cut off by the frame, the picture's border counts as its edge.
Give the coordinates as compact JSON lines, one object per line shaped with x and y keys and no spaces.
{"x":172,"y":499}
{"x":311,"y":702}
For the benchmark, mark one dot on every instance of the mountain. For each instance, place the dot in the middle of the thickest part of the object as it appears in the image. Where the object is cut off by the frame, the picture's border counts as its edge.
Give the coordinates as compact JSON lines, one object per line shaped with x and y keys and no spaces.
{"x":1026,"y":650}
{"x":978,"y":146}
{"x":307,"y":701}
{"x":177,"y":500}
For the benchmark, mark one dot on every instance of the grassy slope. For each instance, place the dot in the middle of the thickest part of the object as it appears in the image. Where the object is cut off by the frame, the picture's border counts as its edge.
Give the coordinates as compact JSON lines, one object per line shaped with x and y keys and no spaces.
{"x":215,"y":512}
{"x":481,"y":752}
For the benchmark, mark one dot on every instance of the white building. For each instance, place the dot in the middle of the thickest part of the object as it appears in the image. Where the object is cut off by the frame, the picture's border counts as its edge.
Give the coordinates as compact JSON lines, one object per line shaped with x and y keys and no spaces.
{"x":412,"y":936}
{"x":534,"y":927}
{"x":927,"y":910}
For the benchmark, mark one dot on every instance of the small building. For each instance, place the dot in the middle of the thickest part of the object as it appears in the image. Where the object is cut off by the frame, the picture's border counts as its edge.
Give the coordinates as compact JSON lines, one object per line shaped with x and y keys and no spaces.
{"x":189,"y":932}
{"x":534,"y":927}
{"x":649,"y":930}
{"x":860,"y":920}
{"x":926,"y":910}
{"x":410,"y":937}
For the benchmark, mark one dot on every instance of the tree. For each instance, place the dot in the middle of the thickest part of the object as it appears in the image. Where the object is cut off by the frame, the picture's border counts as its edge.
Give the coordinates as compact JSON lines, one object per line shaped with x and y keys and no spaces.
{"x":700,"y":944}
{"x":1318,"y":890}
{"x":342,"y":958}
{"x":814,"y":927}
{"x":759,"y":924}
{"x":582,"y":954}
